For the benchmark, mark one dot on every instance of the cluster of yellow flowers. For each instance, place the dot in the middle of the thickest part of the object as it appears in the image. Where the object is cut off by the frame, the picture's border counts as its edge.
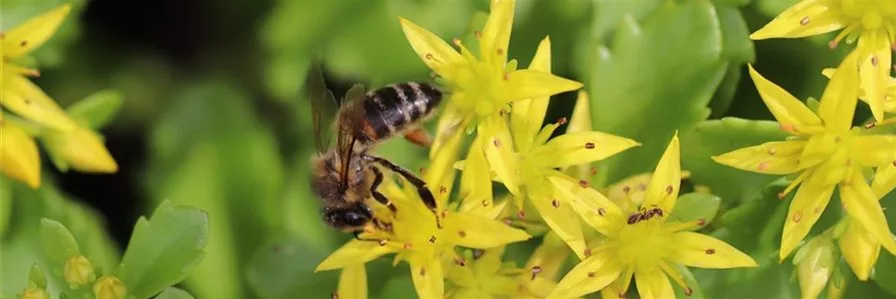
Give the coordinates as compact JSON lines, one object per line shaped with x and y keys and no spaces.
{"x":36,"y":115}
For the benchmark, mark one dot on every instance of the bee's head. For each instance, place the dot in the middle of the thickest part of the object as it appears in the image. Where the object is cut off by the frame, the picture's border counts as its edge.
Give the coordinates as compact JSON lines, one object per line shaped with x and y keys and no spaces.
{"x":349,"y":219}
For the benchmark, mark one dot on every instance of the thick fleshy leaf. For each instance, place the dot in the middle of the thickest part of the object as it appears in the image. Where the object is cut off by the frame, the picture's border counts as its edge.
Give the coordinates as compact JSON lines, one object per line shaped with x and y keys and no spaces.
{"x":695,"y":206}
{"x":874,"y":69}
{"x":31,"y":34}
{"x":352,"y":253}
{"x":428,"y":278}
{"x":495,"y":37}
{"x":353,"y":282}
{"x":29,"y":101}
{"x":863,"y":207}
{"x":777,"y":157}
{"x":529,"y":84}
{"x":884,"y":180}
{"x":642,"y":91}
{"x":875,"y":150}
{"x":838,"y":103}
{"x":808,"y":204}
{"x":97,"y":109}
{"x":434,"y":51}
{"x":474,"y":231}
{"x":589,"y":276}
{"x":807,"y":18}
{"x":653,"y":284}
{"x":702,"y":251}
{"x":58,"y":241}
{"x":582,"y":147}
{"x":860,"y":249}
{"x":527,"y":115}
{"x":598,"y":211}
{"x":18,"y":151}
{"x":498,"y":148}
{"x":789,"y":111}
{"x":562,"y":221}
{"x":666,"y":181}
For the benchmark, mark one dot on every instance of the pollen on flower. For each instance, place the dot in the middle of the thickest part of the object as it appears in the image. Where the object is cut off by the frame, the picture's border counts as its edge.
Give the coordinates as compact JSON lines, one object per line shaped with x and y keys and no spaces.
{"x":442,"y":189}
{"x":669,"y":189}
{"x":23,"y":43}
{"x":334,"y":295}
{"x":429,"y":56}
{"x":407,"y":245}
{"x":772,"y":151}
{"x":797,"y":216}
{"x":788,"y":128}
{"x":589,"y":145}
{"x":710,"y":251}
{"x":535,"y":271}
{"x":555,"y":203}
{"x":626,"y":189}
{"x":484,"y":202}
{"x":701,"y":222}
{"x":601,"y":211}
{"x":587,"y":252}
{"x":593,"y":170}
{"x":422,"y":271}
{"x":874,"y":60}
{"x":583,"y":183}
{"x":562,"y":121}
{"x":688,"y":291}
{"x":460,"y":262}
{"x":804,"y":21}
{"x":765,"y":165}
{"x":432,"y":239}
{"x":496,"y":142}
{"x":591,"y":274}
{"x":478,"y":34}
{"x":383,"y":242}
{"x":506,"y":76}
{"x":461,"y":233}
{"x":500,"y":51}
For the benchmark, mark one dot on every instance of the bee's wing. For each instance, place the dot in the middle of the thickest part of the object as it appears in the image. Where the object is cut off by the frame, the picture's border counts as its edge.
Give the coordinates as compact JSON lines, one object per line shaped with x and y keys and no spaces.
{"x":351,"y":121}
{"x":323,"y":108}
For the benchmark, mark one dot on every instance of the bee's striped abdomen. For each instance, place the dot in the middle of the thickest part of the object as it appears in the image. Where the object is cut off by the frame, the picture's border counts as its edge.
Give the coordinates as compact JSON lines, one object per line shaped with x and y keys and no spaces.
{"x":394,"y":108}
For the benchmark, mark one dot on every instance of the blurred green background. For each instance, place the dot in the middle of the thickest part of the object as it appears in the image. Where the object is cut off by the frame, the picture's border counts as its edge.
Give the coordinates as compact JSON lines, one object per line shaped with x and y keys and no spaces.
{"x":214,"y":117}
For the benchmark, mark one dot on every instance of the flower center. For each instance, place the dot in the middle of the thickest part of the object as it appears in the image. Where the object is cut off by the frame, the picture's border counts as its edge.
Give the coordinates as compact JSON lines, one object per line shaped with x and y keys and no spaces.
{"x":830,"y":155}
{"x":871,"y":14}
{"x":644,"y":243}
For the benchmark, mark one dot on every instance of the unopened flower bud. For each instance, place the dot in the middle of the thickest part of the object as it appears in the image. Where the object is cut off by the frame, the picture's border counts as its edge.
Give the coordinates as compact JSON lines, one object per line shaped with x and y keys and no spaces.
{"x":109,"y":287}
{"x":83,"y":150}
{"x":815,"y":263}
{"x":78,"y":271}
{"x":19,"y":154}
{"x":34,"y":293}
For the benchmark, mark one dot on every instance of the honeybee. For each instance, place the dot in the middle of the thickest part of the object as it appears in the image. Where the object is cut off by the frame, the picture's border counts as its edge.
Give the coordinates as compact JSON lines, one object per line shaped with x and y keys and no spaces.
{"x":345,"y":176}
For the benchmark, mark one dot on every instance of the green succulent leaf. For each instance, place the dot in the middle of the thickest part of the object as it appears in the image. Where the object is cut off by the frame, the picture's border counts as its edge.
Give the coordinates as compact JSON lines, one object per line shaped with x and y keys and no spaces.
{"x":174,"y":293}
{"x":694,"y":207}
{"x":885,"y":272}
{"x":283,"y":267}
{"x":715,"y":137}
{"x":6,"y":206}
{"x":163,"y":249}
{"x":98,"y":109}
{"x":646,"y":92}
{"x":58,"y":241}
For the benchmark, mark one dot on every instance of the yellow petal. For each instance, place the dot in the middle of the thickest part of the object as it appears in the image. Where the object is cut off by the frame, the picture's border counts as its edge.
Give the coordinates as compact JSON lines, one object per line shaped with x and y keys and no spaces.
{"x":440,"y":173}
{"x":527,"y":115}
{"x":527,"y":84}
{"x":885,"y":180}
{"x":428,"y":277}
{"x":874,"y":69}
{"x":860,"y":249}
{"x":582,"y":147}
{"x":785,"y":107}
{"x":838,"y":103}
{"x":475,"y":231}
{"x":82,"y":149}
{"x":434,"y":51}
{"x":30,"y":35}
{"x":549,"y":256}
{"x":589,"y":276}
{"x":808,"y":204}
{"x":862,"y":206}
{"x":580,"y":121}
{"x":666,"y":181}
{"x":598,"y":211}
{"x":697,"y":250}
{"x":498,"y":149}
{"x":352,"y":253}
{"x":495,"y":37}
{"x":777,"y":157}
{"x":807,"y":18}
{"x":27,"y":100}
{"x":352,"y":283}
{"x":449,"y":126}
{"x":875,"y":150}
{"x":615,"y":289}
{"x":563,"y":221}
{"x":476,"y":180}
{"x":19,"y":158}
{"x":653,"y":284}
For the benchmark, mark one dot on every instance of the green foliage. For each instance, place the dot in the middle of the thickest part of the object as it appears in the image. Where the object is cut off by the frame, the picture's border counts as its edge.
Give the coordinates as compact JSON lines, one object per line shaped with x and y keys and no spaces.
{"x":696,"y":207}
{"x":97,"y":109}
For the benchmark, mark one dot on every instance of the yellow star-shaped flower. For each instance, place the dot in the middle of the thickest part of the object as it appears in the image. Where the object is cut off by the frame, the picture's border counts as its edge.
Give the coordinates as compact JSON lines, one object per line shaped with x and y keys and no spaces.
{"x":825,"y":151}
{"x":872,"y":21}
{"x":642,"y":243}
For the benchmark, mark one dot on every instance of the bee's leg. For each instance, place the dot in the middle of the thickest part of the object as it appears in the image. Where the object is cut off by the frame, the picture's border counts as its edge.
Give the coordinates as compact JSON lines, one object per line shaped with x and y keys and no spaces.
{"x":428,"y":199}
{"x":357,"y":235}
{"x":377,"y":180}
